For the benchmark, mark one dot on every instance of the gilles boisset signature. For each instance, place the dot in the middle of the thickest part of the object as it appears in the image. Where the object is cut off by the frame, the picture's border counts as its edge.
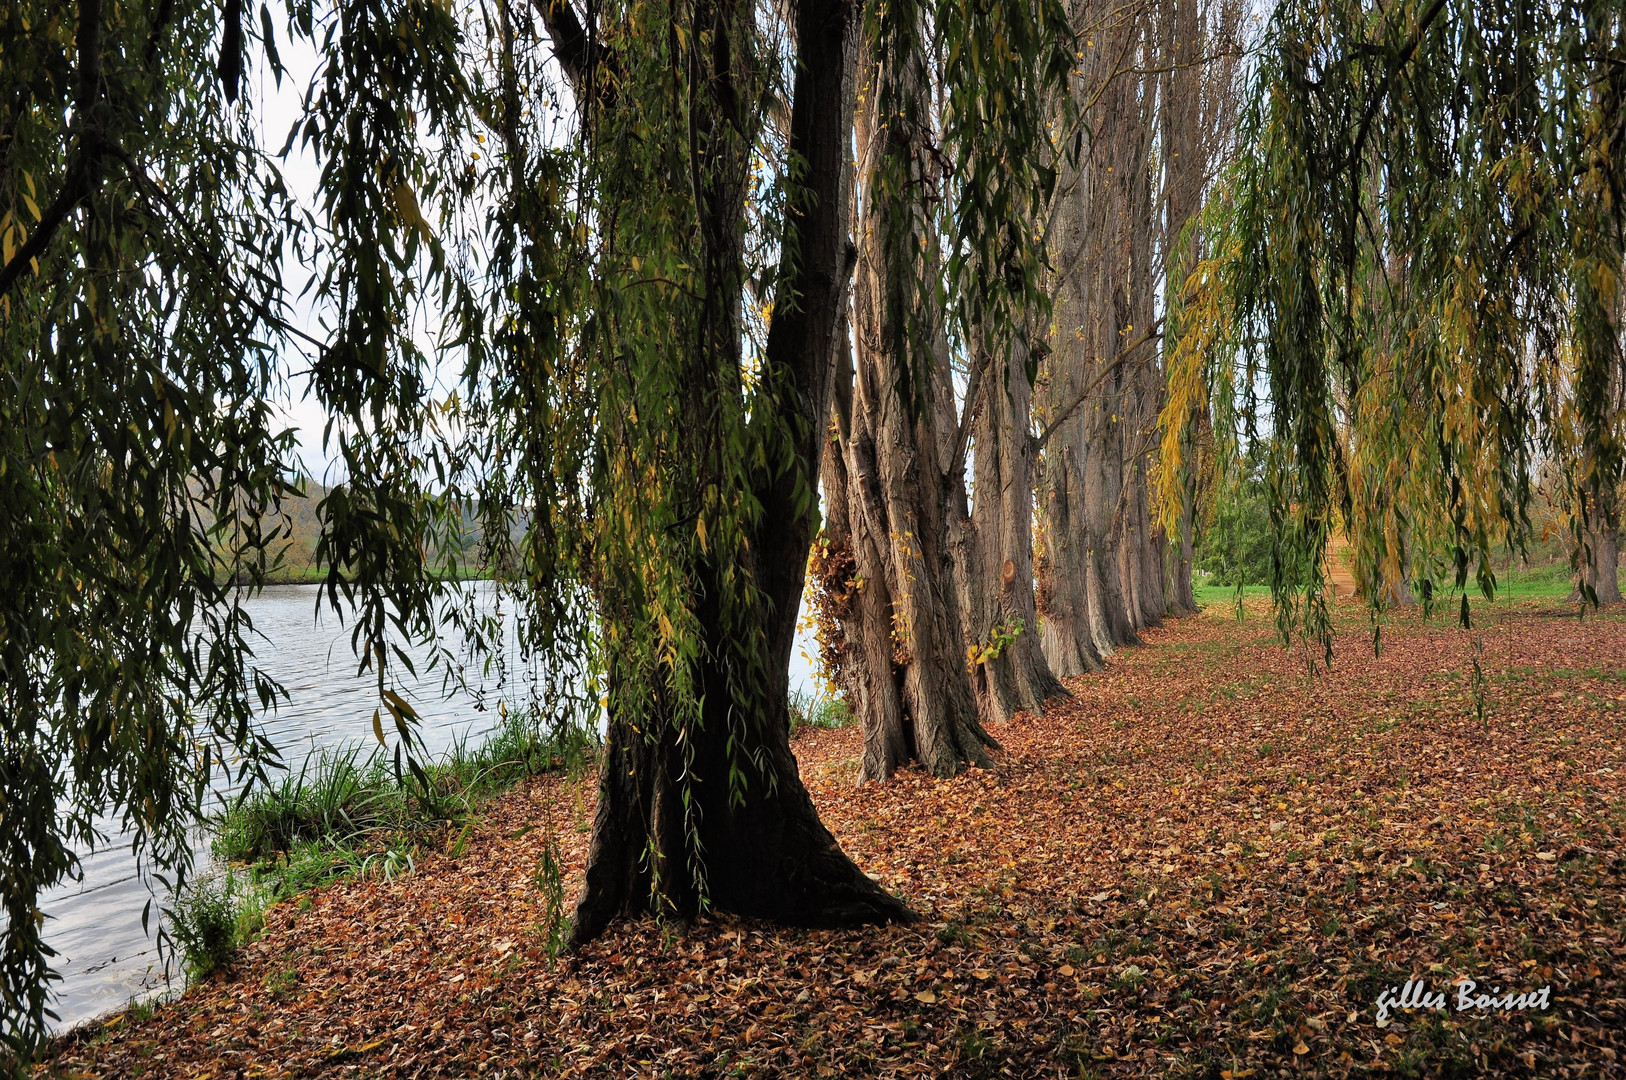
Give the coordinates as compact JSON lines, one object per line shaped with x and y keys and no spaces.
{"x":1415,"y":995}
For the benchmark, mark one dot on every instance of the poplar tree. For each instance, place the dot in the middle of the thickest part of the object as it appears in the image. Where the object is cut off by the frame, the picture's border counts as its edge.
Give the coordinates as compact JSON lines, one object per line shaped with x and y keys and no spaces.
{"x":924,"y":598}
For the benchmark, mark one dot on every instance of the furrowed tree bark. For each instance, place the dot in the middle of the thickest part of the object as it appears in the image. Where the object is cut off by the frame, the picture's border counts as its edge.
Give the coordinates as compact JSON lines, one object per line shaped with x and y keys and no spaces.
{"x":1083,"y":583}
{"x":901,"y":653}
{"x":1139,"y":261}
{"x":672,"y":832}
{"x":853,"y":600}
{"x":903,"y":662}
{"x":1065,"y":544}
{"x":1094,"y":358}
{"x":1600,"y":553}
{"x":1103,"y":464}
{"x":998,"y":572}
{"x":1063,"y":598}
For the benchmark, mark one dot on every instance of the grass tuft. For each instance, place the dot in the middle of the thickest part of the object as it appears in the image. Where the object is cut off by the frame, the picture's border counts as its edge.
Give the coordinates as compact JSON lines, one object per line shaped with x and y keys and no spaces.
{"x":344,"y":814}
{"x":817,"y":710}
{"x":212,"y":918}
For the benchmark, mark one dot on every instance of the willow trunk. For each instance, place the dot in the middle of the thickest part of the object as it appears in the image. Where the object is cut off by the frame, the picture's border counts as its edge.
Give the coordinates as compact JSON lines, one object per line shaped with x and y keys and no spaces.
{"x":674,"y":829}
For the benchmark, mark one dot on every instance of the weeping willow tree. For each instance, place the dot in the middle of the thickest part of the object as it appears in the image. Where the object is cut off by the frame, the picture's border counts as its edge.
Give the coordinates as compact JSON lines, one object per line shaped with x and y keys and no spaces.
{"x":1413,"y":292}
{"x":145,"y":339}
{"x":639,"y":273}
{"x":670,"y":432}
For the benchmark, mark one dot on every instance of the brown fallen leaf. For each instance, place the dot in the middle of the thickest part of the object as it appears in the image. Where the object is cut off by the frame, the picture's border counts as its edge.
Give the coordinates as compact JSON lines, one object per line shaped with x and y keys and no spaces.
{"x":1011,"y":869}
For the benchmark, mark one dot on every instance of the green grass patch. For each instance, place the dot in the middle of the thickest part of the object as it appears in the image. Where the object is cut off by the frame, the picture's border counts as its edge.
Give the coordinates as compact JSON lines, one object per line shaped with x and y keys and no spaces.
{"x":1551,"y":582}
{"x":1222,"y":598}
{"x":345,"y":813}
{"x":808,"y":709}
{"x":1554,"y":581}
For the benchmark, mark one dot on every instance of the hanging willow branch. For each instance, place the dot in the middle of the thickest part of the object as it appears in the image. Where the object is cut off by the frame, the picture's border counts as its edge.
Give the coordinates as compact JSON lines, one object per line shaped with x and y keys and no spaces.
{"x":1416,"y":274}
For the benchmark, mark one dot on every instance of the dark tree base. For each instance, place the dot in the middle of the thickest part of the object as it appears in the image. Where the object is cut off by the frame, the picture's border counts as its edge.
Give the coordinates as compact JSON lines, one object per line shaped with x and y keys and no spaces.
{"x":769,"y":857}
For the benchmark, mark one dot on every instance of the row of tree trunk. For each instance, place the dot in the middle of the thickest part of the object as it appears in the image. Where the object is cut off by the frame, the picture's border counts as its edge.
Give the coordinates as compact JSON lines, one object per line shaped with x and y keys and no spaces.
{"x":988,"y":526}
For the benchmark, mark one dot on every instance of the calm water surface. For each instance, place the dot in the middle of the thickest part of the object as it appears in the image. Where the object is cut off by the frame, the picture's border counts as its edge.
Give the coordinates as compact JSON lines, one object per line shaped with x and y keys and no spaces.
{"x":104,"y":954}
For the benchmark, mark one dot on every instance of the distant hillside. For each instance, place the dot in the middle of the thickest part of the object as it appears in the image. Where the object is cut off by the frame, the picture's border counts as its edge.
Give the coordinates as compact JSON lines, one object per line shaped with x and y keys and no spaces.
{"x":303,"y":528}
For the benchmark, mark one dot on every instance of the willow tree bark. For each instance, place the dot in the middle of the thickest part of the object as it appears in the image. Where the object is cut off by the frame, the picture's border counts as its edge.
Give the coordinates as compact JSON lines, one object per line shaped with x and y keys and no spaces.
{"x":890,"y":562}
{"x":673,"y":831}
{"x":1064,"y":551}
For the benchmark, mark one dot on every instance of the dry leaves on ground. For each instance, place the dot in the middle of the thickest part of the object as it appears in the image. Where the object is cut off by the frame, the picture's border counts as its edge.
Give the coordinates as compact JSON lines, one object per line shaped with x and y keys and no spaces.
{"x":1206,"y":863}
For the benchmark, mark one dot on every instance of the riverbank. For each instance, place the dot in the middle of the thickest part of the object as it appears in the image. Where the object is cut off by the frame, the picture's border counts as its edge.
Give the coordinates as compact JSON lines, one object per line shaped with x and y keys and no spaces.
{"x":105,"y":950}
{"x":308,"y":573}
{"x":1205,"y":863}
{"x":347,"y":812}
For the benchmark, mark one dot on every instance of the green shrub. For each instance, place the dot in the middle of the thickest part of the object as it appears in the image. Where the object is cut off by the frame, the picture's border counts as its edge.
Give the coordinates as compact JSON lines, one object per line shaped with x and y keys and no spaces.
{"x":1233,"y":547}
{"x":211,"y":919}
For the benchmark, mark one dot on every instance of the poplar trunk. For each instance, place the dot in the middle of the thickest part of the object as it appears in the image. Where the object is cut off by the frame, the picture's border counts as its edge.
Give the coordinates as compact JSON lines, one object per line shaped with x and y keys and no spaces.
{"x":890,"y":581}
{"x":998,"y":573}
{"x":1600,"y":554}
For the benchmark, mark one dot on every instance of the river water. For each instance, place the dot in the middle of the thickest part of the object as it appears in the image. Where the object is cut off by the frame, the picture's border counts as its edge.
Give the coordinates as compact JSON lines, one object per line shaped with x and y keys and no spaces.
{"x":105,"y":955}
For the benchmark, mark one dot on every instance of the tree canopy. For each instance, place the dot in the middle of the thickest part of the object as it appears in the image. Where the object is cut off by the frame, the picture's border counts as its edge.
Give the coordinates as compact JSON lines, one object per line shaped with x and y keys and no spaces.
{"x":1414,"y":286}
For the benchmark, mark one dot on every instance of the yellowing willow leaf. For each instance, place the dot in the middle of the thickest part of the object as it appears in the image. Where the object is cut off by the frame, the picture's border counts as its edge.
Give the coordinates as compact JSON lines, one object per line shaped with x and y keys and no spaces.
{"x":406,"y":204}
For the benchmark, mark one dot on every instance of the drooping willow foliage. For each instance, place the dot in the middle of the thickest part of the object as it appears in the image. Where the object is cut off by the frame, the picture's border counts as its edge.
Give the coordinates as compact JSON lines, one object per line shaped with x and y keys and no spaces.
{"x":615,"y":405}
{"x":977,"y":84}
{"x":151,"y":255}
{"x":1414,"y":287}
